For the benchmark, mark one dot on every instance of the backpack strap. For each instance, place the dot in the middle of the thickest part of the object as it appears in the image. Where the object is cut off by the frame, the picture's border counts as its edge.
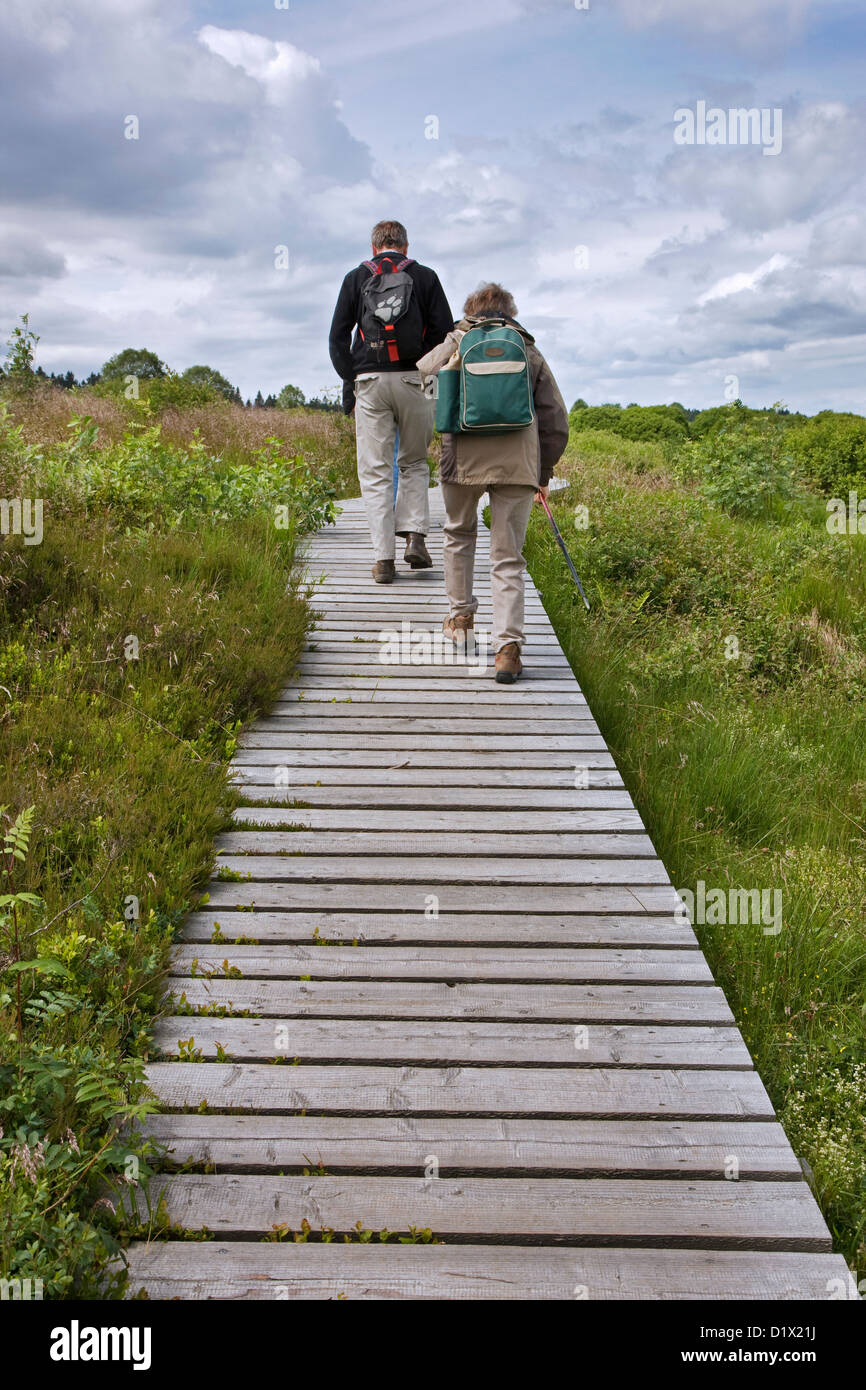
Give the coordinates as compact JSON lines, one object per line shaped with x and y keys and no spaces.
{"x":395,"y":265}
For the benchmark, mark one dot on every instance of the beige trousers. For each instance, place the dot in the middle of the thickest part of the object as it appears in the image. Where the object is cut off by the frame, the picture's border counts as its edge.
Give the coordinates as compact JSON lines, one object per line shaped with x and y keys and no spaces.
{"x":510,"y":506}
{"x":386,"y":402}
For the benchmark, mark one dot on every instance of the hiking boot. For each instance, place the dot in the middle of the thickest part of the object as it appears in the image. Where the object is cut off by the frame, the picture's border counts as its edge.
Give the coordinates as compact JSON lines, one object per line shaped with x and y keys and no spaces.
{"x":384,"y":571}
{"x":508,"y":664}
{"x":416,"y":554}
{"x":459,"y":627}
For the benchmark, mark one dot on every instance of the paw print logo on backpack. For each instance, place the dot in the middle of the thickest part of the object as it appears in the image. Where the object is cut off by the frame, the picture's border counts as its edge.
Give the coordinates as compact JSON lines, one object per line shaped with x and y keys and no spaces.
{"x":389,"y":308}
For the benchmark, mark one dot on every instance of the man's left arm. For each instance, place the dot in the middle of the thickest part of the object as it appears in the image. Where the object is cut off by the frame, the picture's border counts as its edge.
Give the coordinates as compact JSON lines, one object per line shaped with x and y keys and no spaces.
{"x":342,"y":325}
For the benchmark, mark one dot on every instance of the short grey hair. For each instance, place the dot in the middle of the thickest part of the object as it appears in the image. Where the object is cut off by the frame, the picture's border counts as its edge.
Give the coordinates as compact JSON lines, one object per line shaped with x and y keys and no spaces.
{"x":490,"y":300}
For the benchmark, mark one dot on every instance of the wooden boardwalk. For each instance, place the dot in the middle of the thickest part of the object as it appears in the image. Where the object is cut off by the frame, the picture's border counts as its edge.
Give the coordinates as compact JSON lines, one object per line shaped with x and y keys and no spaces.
{"x":458,"y":988}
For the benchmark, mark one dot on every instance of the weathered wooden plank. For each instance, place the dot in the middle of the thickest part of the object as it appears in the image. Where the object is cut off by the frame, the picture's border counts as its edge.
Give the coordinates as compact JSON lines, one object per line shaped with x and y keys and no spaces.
{"x":251,"y":1270}
{"x":281,"y":730}
{"x":377,"y":655}
{"x":253,"y":843}
{"x":390,"y":1143}
{"x":331,"y":795}
{"x":320,"y":690}
{"x":578,"y":1004}
{"x":628,"y":1093}
{"x":543,"y":823}
{"x":431,"y":741}
{"x":288,"y":716}
{"x":444,"y":897}
{"x":562,"y":966}
{"x":365,"y":754}
{"x":395,"y":868}
{"x":437,"y":1043}
{"x":520,"y":929}
{"x":363,"y":625}
{"x":411,"y":593}
{"x":708,"y":1214}
{"x":601,"y":786}
{"x":317,"y":664}
{"x":535,"y":645}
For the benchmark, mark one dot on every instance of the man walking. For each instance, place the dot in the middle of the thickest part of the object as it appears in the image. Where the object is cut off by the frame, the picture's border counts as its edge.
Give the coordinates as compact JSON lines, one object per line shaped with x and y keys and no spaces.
{"x":397,"y":311}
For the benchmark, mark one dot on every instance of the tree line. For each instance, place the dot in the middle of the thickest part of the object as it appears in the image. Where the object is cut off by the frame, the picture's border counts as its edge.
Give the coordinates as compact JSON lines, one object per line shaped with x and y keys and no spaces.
{"x":130,"y":369}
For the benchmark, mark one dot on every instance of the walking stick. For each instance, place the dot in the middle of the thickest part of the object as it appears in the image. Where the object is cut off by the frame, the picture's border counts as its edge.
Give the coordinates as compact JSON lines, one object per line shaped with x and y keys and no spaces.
{"x":561,"y":543}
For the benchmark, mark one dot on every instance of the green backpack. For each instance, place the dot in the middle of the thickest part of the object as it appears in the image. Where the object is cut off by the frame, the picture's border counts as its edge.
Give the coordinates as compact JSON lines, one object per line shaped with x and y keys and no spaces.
{"x":487,"y":386}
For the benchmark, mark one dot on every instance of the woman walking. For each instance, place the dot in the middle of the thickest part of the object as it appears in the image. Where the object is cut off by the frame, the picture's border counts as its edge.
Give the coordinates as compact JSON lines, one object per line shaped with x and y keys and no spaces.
{"x":513,"y":467}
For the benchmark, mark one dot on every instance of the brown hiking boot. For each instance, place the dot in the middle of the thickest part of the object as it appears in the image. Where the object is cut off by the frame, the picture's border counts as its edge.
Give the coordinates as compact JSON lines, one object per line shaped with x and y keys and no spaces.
{"x":508,"y":664}
{"x":384,"y":571}
{"x":459,"y":627}
{"x":416,"y":554}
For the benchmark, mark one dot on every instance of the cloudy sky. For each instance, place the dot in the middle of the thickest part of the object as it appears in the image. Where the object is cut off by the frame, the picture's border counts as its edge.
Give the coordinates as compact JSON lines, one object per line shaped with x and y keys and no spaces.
{"x":649,"y":270}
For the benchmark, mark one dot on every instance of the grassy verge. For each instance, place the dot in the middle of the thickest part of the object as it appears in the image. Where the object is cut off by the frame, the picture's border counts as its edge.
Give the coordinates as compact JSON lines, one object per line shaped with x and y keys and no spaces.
{"x":158,"y":612}
{"x":725,"y":662}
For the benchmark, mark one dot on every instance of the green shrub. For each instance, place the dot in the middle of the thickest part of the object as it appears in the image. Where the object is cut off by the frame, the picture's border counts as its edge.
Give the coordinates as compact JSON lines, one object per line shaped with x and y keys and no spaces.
{"x":634,"y":422}
{"x":832,"y":451}
{"x":180,"y":392}
{"x":745,"y":467}
{"x":720,"y":417}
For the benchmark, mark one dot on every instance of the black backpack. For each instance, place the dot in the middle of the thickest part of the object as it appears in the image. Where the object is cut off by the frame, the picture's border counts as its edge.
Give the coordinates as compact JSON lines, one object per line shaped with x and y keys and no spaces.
{"x":390,"y":318}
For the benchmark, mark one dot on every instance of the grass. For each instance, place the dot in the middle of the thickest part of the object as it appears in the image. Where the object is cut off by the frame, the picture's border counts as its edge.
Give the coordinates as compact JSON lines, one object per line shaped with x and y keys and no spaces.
{"x":725,"y":662}
{"x":158,"y":613}
{"x":323,"y":439}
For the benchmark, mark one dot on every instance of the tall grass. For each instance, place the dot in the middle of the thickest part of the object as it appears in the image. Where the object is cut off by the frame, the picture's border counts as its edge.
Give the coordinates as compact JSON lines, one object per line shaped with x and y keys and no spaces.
{"x":230,"y":433}
{"x":159,"y":612}
{"x":746,"y":758}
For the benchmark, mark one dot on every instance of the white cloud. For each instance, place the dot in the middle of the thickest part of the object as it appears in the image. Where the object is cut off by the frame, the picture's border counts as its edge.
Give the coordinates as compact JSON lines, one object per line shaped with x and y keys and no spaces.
{"x":743,"y":280}
{"x":278,"y":66}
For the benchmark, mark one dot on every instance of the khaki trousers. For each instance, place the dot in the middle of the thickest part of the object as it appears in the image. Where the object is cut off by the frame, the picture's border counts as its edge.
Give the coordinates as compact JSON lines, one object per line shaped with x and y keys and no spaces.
{"x":386,"y":402}
{"x":510,"y":506}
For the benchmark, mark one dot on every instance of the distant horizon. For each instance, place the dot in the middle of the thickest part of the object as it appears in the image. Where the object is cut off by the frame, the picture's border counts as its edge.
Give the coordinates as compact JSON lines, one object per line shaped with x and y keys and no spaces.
{"x":674,"y":192}
{"x":569,"y":401}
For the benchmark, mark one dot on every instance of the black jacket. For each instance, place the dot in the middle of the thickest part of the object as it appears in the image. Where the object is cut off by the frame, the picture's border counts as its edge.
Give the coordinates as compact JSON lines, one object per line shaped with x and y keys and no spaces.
{"x":349,"y":355}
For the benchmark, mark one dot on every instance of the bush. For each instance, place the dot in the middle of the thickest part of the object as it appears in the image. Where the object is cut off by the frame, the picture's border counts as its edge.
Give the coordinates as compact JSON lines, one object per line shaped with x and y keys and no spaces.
{"x":137,"y":362}
{"x":719,"y":417}
{"x":290,"y":398}
{"x":744,"y":468}
{"x":831,"y":449}
{"x":635,"y":422}
{"x":203,"y":375}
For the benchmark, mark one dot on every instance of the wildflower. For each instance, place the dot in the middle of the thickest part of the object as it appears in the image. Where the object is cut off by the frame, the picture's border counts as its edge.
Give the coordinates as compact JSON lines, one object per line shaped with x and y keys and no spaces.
{"x":28,"y":1160}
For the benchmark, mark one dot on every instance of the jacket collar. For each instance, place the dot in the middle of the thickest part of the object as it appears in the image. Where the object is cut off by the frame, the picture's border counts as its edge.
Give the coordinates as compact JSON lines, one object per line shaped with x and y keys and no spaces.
{"x":475,"y":321}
